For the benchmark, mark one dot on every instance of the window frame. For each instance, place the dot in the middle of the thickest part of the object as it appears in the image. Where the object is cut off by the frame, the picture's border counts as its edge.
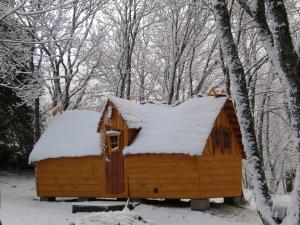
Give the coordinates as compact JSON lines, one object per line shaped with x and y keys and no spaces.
{"x":114,"y":142}
{"x":112,"y":134}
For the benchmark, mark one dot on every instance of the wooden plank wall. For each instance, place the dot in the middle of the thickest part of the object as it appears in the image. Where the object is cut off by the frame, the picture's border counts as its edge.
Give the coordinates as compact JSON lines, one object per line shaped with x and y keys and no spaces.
{"x":162,"y":176}
{"x":70,"y":177}
{"x":220,"y":178}
{"x":221,"y":172}
{"x":73,"y":177}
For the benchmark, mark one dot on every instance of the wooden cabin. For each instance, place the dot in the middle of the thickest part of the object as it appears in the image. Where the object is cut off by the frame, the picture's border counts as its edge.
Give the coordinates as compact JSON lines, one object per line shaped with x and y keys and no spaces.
{"x":192,"y":150}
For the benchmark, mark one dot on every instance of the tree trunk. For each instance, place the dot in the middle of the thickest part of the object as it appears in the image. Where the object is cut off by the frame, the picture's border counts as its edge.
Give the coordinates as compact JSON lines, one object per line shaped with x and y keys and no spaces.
{"x":172,"y":84}
{"x":36,"y":120}
{"x":66,"y":99}
{"x":240,"y":94}
{"x":267,"y":143}
{"x":225,"y":72}
{"x":279,"y":45}
{"x":122,"y":88}
{"x":260,"y":126}
{"x":252,"y":89}
{"x":57,"y":89}
{"x":190,"y":73}
{"x":179,"y":81}
{"x":79,"y":99}
{"x":128,"y":76}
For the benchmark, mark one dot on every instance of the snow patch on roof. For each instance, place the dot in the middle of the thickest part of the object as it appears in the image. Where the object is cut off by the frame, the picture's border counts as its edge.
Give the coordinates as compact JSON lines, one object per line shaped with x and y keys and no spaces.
{"x":184,"y":128}
{"x":71,"y":134}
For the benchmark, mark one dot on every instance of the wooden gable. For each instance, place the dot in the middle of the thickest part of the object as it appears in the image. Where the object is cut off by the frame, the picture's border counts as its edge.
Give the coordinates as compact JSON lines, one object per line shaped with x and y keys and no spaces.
{"x":117,"y":122}
{"x":226,"y":120}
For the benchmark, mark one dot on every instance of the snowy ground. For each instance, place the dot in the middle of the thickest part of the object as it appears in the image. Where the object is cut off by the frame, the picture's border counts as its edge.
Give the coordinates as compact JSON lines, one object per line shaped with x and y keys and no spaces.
{"x":20,"y":206}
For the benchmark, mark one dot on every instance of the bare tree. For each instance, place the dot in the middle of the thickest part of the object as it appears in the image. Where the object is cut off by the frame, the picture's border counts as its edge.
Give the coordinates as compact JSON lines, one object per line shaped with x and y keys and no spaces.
{"x":128,"y":19}
{"x":64,"y":36}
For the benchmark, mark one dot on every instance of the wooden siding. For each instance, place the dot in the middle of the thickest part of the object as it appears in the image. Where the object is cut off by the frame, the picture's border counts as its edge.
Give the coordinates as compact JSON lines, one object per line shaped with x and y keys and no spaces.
{"x":220,"y":177}
{"x":220,"y":171}
{"x":171,"y":176}
{"x":72,"y":177}
{"x":182,"y":176}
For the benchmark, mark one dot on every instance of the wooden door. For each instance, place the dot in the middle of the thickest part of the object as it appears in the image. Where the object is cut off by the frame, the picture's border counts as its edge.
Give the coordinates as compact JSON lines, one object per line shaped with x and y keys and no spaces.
{"x":114,"y":164}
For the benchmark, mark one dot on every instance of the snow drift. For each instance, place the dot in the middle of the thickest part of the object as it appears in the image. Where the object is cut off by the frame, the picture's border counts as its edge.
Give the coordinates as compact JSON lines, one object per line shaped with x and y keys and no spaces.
{"x":112,"y":218}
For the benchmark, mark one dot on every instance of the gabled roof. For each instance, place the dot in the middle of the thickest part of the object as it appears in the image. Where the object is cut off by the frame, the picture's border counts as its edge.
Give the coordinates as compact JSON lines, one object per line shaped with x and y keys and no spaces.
{"x":130,"y":111}
{"x":183,"y":128}
{"x":72,"y":133}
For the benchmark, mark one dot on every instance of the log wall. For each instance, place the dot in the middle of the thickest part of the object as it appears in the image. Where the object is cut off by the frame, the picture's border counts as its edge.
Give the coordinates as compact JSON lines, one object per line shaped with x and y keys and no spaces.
{"x":73,"y":177}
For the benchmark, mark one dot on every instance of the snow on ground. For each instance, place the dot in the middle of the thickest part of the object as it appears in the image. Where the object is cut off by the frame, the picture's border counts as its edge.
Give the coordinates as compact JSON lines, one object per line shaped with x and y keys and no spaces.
{"x":112,"y":218}
{"x":249,"y":197}
{"x":20,"y":206}
{"x":280,"y":206}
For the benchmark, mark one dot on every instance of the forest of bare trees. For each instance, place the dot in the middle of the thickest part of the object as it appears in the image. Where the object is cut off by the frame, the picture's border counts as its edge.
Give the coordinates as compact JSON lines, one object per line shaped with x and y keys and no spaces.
{"x":71,"y":53}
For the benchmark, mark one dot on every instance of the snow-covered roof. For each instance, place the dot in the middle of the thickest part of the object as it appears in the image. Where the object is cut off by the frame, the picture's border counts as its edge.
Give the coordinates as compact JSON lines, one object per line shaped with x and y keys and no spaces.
{"x":183,"y":128}
{"x":72,"y":133}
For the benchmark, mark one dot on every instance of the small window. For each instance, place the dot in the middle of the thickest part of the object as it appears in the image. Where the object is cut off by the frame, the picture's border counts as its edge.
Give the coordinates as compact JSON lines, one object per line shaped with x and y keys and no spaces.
{"x":221,"y":139}
{"x":113,"y":137}
{"x":216,"y":138}
{"x":226,"y":139}
{"x":114,"y":142}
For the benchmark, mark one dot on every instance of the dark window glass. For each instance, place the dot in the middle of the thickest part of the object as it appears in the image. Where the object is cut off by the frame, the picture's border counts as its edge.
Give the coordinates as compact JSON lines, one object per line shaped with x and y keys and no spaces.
{"x":221,"y":138}
{"x":114,"y":142}
{"x":226,"y":139}
{"x":216,"y":138}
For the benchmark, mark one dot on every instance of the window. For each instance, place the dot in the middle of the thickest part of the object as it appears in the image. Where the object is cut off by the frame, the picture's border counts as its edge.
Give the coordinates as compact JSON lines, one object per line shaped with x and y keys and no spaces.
{"x":113,"y":139}
{"x":114,"y":142}
{"x":216,"y":138}
{"x":226,"y":139}
{"x":221,"y":139}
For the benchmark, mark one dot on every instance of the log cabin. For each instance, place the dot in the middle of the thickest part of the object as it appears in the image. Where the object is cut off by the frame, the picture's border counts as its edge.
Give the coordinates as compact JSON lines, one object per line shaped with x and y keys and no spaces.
{"x":191,"y":150}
